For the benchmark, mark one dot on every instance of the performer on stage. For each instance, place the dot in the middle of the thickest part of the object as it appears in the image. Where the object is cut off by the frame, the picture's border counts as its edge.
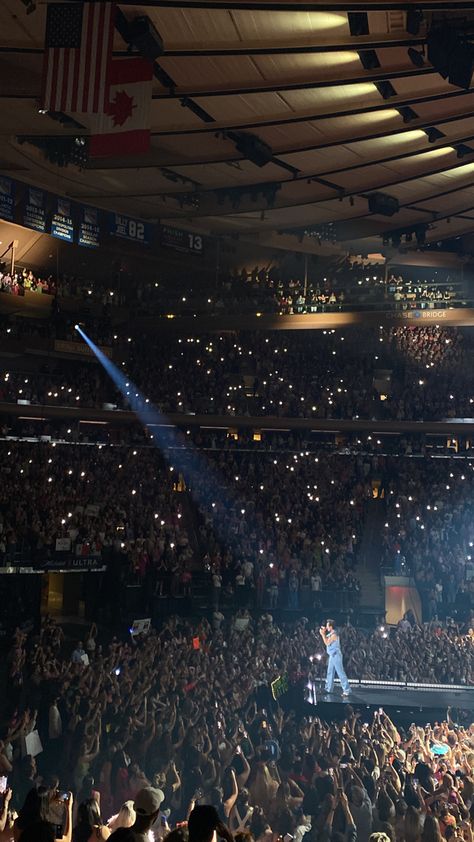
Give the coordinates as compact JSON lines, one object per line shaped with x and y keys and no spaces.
{"x":335,"y":665}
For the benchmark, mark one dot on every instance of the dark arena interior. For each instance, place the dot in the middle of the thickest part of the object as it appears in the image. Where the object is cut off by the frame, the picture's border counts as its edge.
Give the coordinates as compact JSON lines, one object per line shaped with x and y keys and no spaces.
{"x":237,"y":421}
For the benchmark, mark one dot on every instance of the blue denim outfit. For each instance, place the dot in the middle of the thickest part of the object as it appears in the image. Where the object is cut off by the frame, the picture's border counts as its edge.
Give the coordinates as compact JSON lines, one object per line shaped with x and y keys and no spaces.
{"x":335,"y":667}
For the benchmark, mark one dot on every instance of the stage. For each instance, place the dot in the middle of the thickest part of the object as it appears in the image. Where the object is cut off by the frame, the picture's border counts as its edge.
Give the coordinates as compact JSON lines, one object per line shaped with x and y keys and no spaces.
{"x":419,"y":703}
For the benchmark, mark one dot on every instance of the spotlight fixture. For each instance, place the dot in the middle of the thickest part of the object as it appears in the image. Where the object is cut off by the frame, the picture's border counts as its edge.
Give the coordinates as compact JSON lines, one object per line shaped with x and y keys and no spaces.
{"x":407,"y":113}
{"x":415,"y":57}
{"x":433,"y":134}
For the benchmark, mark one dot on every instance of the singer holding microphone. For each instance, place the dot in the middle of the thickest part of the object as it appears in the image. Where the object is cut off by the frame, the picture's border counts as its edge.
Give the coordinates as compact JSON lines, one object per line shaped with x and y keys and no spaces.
{"x":335,"y":666}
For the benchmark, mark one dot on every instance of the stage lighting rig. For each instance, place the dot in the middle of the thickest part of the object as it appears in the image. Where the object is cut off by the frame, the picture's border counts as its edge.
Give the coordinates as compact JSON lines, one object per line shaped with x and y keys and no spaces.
{"x":251,"y":147}
{"x":62,"y":151}
{"x":395,"y":237}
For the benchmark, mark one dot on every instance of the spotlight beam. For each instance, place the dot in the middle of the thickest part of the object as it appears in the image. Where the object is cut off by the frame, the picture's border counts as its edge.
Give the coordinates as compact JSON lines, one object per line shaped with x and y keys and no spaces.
{"x":205,"y":485}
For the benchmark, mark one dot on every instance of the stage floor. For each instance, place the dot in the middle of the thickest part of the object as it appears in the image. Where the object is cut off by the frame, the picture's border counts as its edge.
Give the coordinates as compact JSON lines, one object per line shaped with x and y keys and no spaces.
{"x":421,"y":704}
{"x":419,"y":698}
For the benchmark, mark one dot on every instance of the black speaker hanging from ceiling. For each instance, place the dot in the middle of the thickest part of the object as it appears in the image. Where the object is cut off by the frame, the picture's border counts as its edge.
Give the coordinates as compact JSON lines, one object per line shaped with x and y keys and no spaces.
{"x":383,"y":203}
{"x":451,"y":56}
{"x":145,"y":38}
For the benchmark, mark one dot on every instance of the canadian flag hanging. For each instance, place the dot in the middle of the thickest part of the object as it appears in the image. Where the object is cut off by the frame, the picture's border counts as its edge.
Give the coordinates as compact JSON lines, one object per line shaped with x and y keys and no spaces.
{"x":124,"y":128}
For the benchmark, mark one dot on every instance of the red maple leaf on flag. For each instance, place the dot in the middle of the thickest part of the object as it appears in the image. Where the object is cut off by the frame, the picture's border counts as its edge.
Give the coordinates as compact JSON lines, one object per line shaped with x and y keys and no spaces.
{"x":121,"y":108}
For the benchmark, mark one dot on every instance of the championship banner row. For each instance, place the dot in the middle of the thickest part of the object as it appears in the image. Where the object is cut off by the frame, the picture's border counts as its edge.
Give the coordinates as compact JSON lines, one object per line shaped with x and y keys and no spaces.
{"x":75,"y":223}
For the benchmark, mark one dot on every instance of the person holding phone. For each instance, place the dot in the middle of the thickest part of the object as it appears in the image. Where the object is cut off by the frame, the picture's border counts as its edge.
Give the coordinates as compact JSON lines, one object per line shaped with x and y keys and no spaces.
{"x":332,"y":643}
{"x":34,"y":812}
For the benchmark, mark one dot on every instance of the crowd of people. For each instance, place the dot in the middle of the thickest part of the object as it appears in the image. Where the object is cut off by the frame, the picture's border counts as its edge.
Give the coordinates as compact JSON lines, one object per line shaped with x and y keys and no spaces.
{"x":341,"y":287}
{"x":59,"y":499}
{"x":219,"y":437}
{"x":25,"y":280}
{"x":404,"y":373}
{"x":177,"y":732}
{"x":282,"y":529}
{"x":270,"y":289}
{"x":429,"y":533}
{"x":409,"y":294}
{"x":407,"y":652}
{"x":272,"y":529}
{"x":351,"y":286}
{"x":170,"y":731}
{"x":72,"y":384}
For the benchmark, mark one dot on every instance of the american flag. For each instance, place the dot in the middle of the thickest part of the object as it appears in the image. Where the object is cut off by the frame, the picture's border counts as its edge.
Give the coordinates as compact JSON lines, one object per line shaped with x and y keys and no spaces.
{"x":78,"y":49}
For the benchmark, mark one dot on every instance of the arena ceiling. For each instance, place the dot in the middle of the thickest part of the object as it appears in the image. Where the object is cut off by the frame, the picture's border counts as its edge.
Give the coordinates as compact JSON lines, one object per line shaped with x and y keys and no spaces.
{"x":344,"y":115}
